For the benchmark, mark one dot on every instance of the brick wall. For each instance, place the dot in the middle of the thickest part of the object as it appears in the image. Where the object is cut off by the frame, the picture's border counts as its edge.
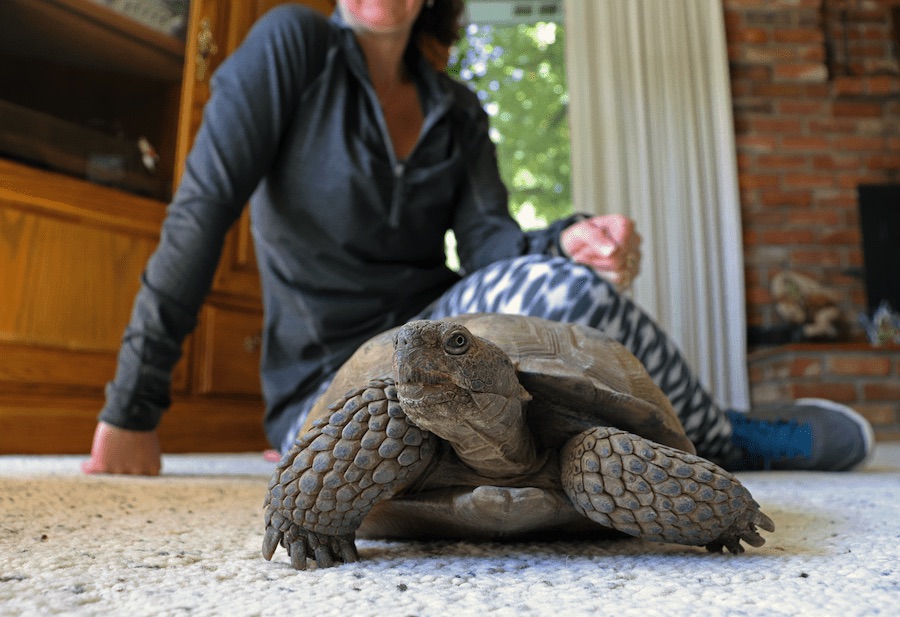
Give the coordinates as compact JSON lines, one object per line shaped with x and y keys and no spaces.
{"x":816,"y":88}
{"x":857,"y":374}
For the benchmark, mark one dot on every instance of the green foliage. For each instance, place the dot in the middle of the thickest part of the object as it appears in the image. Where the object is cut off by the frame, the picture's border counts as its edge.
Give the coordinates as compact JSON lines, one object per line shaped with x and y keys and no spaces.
{"x":519,"y":75}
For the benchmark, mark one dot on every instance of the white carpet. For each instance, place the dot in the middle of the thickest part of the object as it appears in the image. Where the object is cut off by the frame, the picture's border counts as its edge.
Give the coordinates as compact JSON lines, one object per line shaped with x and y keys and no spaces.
{"x":188,"y":543}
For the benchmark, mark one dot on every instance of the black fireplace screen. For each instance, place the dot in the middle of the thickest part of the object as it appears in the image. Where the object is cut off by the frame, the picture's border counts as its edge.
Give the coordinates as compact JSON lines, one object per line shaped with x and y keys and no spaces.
{"x":879,"y":215}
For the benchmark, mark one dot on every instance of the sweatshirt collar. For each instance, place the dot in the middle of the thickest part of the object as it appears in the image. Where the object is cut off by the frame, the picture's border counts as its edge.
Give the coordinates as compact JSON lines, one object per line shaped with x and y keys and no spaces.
{"x":437,"y":96}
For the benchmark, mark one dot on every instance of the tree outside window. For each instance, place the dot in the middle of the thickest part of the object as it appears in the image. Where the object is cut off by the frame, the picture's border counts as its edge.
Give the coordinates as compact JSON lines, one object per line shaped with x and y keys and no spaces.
{"x":518,"y":72}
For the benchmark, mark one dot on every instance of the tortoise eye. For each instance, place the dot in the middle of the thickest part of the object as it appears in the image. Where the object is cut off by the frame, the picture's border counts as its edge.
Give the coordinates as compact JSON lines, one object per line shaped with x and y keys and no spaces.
{"x":457,"y":343}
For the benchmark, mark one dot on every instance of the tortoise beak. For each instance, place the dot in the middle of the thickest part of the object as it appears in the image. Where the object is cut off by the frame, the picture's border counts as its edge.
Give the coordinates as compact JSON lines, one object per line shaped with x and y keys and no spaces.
{"x":413,"y":344}
{"x":420,"y":373}
{"x":412,"y":368}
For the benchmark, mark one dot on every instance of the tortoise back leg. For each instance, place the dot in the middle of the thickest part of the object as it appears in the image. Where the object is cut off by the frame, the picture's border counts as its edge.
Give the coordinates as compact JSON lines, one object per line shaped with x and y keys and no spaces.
{"x":365,"y":452}
{"x":658,"y":493}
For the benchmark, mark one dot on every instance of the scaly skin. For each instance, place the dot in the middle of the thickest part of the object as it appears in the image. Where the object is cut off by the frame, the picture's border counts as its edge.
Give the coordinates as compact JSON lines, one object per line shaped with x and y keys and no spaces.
{"x":365,"y":452}
{"x":648,"y":490}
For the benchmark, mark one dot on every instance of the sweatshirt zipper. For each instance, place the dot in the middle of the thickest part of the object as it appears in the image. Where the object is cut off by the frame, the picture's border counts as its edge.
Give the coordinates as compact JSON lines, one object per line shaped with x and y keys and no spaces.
{"x":400,"y":167}
{"x":397,"y":196}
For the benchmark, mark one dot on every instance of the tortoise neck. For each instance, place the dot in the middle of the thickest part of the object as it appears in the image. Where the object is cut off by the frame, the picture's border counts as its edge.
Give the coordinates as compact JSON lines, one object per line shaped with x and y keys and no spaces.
{"x":500,"y":449}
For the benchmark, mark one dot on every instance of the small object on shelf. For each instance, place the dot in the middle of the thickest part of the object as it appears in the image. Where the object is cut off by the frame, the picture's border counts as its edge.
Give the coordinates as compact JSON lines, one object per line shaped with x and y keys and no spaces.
{"x":148,"y":154}
{"x":884,"y":325}
{"x":805,"y":303}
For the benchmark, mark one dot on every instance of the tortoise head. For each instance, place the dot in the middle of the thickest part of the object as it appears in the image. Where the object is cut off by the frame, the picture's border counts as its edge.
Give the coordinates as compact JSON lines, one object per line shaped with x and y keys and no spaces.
{"x":459,"y":386}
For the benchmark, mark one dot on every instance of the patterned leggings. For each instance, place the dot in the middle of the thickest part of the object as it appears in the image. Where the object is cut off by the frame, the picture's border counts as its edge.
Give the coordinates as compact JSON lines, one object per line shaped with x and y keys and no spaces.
{"x":558,"y":289}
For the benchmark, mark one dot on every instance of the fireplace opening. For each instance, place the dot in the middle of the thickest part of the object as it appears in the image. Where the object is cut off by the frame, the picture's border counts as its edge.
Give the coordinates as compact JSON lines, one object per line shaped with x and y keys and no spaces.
{"x":879,"y":215}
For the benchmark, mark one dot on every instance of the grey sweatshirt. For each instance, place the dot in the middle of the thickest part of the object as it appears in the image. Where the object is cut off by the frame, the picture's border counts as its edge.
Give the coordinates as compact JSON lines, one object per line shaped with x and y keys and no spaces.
{"x":349,"y":240}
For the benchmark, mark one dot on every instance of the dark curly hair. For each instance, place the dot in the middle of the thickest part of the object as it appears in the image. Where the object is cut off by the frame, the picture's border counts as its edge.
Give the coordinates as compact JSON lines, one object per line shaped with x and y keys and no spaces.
{"x":442,"y":21}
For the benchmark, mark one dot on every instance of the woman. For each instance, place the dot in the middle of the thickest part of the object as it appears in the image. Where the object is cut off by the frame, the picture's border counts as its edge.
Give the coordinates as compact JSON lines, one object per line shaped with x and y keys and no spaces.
{"x":357,"y":156}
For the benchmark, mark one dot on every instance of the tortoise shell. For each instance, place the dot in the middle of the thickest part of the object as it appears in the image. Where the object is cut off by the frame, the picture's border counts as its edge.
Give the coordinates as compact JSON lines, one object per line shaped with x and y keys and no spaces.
{"x":578,"y":378}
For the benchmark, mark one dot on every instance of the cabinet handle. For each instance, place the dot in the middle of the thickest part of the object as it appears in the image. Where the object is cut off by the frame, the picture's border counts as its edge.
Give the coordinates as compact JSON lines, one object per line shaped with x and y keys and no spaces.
{"x":253,"y":343}
{"x":206,"y":47}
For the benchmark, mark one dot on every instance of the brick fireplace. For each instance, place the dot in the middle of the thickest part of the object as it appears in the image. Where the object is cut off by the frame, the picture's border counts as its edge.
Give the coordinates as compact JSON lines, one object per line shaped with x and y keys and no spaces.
{"x":816,"y":87}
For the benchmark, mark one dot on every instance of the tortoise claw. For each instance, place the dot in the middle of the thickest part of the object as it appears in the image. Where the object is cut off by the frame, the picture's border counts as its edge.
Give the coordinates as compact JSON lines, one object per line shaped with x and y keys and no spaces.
{"x":347,"y":550}
{"x":764,"y":522}
{"x":297,"y":553}
{"x":270,"y":542}
{"x":326,"y":550}
{"x":744,"y":529}
{"x":324,"y":558}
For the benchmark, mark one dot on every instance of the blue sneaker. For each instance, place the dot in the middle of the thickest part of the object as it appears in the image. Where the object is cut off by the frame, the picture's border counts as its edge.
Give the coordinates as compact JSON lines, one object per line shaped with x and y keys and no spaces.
{"x":809,"y":434}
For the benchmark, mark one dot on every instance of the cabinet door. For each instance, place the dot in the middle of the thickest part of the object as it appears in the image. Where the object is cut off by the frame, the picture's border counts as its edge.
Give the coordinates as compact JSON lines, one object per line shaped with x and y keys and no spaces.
{"x":71,"y":255}
{"x":229,"y":343}
{"x":217,"y":29}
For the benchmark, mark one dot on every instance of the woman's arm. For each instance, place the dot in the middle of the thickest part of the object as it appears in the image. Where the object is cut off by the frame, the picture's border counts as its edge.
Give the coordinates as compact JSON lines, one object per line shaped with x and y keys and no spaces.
{"x":486,"y":232}
{"x":254,"y":94}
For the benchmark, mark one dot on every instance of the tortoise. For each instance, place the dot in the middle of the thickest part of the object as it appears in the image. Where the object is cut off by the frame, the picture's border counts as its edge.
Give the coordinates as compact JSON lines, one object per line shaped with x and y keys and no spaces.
{"x":496,"y":427}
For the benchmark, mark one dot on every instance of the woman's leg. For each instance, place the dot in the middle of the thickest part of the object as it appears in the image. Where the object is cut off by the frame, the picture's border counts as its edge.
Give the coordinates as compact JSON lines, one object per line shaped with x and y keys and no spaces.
{"x":558,"y":289}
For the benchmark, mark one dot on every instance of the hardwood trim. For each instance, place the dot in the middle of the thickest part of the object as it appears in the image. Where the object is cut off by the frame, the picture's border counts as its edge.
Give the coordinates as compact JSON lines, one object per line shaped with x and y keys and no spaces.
{"x":65,"y":425}
{"x":45,"y":369}
{"x":33,"y":369}
{"x":213,"y":425}
{"x":72,"y":199}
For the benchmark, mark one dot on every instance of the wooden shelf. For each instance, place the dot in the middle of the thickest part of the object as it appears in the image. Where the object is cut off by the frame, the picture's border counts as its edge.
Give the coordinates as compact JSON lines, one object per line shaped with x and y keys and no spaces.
{"x":81,"y":32}
{"x":42,"y":140}
{"x":50,"y":194}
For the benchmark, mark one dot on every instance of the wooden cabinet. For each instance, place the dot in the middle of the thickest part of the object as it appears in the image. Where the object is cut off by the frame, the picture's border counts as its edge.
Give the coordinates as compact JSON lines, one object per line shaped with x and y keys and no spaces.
{"x":228,"y":351}
{"x":72,"y":250}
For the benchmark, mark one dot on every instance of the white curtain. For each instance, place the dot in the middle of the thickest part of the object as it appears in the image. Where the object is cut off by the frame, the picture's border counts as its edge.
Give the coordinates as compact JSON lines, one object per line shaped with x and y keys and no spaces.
{"x":653,"y":138}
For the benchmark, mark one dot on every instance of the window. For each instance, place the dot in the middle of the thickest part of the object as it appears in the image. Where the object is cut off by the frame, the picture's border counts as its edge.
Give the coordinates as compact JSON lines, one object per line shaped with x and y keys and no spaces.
{"x":513,"y":56}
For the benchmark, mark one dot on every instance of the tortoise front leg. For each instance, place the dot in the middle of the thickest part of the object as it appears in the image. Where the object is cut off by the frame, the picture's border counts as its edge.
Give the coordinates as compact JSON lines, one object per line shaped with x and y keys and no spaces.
{"x":365,"y":452}
{"x":645,"y":489}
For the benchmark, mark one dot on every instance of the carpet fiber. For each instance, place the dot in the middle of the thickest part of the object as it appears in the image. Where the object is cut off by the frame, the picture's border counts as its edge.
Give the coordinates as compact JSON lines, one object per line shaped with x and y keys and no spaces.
{"x":188,"y":543}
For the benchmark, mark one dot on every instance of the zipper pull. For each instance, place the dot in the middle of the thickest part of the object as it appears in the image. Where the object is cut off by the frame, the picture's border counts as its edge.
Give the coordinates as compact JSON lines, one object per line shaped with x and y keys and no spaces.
{"x":397,"y":197}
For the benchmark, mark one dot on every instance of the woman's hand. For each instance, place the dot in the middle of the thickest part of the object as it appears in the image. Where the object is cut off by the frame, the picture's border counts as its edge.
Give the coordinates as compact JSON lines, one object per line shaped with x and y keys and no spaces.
{"x":609,"y":244}
{"x":121,"y":451}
